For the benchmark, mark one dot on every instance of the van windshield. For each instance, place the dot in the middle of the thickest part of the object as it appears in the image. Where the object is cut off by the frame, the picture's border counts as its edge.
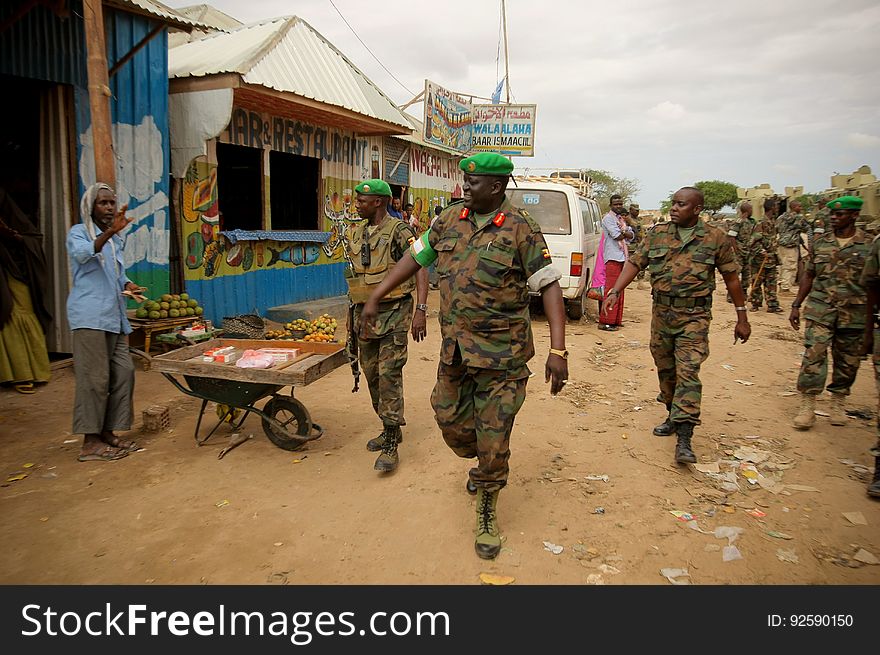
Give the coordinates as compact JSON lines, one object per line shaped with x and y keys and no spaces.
{"x":548,"y":208}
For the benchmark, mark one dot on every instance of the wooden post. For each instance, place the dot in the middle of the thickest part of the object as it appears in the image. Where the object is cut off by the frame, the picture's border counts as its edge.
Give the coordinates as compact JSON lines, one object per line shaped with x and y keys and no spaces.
{"x":99,"y":92}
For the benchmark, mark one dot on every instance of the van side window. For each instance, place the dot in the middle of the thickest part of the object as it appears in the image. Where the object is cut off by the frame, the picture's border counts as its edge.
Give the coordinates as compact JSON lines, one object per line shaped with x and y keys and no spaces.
{"x":587,"y":218}
{"x":597,"y":217}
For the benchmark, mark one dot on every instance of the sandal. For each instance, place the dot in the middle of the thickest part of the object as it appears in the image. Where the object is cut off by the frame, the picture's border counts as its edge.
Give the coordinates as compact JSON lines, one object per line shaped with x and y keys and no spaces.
{"x":25,"y":387}
{"x":106,"y":454}
{"x":127,"y":446}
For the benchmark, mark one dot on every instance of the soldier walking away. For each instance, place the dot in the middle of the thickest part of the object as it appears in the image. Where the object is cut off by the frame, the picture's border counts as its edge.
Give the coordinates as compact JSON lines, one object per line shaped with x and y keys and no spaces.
{"x":789,"y":227}
{"x":835,"y":312}
{"x":681,"y":257}
{"x":489,"y":255}
{"x":870,"y":280}
{"x":373,"y":248}
{"x":764,"y":260}
{"x":740,"y":232}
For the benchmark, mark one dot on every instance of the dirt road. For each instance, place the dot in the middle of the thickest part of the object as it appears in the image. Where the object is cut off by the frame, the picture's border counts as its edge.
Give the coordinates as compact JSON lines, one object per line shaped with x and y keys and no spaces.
{"x":174,"y":513}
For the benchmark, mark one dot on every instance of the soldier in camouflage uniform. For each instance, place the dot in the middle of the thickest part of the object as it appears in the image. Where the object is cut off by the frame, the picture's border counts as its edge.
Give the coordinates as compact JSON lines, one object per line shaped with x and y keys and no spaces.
{"x":489,"y":255}
{"x":789,"y":227}
{"x":764,"y":260}
{"x":835,"y":312}
{"x":870,"y":280}
{"x":821,"y":218}
{"x":740,"y":232}
{"x":682,"y":257}
{"x":373,"y":247}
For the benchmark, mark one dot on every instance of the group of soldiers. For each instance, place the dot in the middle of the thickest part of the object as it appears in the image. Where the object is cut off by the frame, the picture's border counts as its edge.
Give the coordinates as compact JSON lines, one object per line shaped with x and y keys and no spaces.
{"x":490,"y":255}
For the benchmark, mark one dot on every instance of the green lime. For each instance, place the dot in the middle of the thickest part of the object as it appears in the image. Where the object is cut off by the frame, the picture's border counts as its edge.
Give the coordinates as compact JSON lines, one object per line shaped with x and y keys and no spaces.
{"x":141,"y":313}
{"x":154,"y":314}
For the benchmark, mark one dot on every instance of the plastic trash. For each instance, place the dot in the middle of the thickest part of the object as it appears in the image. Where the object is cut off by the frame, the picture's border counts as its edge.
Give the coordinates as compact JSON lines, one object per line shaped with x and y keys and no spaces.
{"x":729,"y":533}
{"x":553,"y":548}
{"x":730,"y":553}
{"x":676,"y":576}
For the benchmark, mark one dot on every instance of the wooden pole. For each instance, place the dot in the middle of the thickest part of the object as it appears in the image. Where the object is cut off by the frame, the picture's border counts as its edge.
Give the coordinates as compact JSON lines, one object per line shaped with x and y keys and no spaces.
{"x":99,"y":92}
{"x":506,"y":61}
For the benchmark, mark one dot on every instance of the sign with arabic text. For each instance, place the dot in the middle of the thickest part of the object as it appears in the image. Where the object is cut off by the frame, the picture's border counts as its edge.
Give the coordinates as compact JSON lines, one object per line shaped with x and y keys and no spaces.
{"x":506,"y":129}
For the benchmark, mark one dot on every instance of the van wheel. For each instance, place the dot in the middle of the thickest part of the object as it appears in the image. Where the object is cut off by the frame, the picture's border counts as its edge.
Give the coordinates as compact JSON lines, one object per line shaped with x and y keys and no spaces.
{"x":577,"y":308}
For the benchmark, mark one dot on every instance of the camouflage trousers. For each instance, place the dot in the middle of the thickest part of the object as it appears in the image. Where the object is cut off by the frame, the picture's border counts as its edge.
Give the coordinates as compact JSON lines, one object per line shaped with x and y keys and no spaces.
{"x":766,"y":285}
{"x":475,"y":409}
{"x":680,"y":345}
{"x":382,"y":361}
{"x":875,"y":451}
{"x":845,"y":343}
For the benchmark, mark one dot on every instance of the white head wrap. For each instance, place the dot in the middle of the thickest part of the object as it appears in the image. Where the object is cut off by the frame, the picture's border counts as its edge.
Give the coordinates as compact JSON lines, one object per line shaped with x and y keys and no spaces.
{"x":87,"y":204}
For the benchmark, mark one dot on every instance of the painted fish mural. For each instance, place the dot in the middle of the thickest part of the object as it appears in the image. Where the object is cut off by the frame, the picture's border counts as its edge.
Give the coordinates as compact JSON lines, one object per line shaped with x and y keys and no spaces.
{"x":296,"y":254}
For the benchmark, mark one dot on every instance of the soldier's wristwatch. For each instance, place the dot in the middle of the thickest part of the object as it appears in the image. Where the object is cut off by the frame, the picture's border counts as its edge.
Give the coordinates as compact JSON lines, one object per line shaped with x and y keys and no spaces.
{"x":423,"y":308}
{"x":561,"y":353}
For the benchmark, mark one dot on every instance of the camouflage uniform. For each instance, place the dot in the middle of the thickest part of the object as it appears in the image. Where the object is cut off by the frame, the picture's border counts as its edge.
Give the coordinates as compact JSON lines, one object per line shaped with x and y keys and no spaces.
{"x":871,"y":276}
{"x":485,"y":273}
{"x":741,"y":230}
{"x":383,"y":352}
{"x":834,"y":313}
{"x":762,"y":250}
{"x":789,"y":227}
{"x":682,"y":281}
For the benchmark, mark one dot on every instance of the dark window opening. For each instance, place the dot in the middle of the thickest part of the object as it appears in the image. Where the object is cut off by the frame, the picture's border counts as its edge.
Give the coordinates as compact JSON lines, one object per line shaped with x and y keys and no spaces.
{"x":240,"y":187}
{"x":293,"y":191}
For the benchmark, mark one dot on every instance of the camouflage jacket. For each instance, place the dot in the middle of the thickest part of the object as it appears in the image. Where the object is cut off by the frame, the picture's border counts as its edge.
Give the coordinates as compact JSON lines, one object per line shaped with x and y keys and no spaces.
{"x":762,"y":243}
{"x":685,"y":268}
{"x":821,"y":221}
{"x":483,"y":274}
{"x":871,"y":272}
{"x":741,"y":230}
{"x":838,"y":297}
{"x":789,"y":227}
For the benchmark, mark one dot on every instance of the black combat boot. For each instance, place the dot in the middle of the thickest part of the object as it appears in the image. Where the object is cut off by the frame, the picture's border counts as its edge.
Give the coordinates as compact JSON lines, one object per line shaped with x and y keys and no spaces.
{"x":874,"y":487}
{"x":375,"y":445}
{"x":667,"y":427}
{"x":683,"y":452}
{"x":388,"y":458}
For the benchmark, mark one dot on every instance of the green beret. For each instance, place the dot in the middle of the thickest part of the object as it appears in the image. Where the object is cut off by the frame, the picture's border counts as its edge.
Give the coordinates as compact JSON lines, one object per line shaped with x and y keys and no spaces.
{"x":374,"y":188}
{"x":486,"y":163}
{"x":846,"y":202}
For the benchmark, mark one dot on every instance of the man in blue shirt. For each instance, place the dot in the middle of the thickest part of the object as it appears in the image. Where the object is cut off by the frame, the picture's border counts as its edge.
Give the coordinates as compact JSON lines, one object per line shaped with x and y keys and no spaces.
{"x":96,"y":312}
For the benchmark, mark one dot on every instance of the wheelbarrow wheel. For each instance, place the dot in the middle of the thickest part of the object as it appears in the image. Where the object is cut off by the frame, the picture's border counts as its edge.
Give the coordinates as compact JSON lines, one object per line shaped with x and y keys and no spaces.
{"x":294,"y":416}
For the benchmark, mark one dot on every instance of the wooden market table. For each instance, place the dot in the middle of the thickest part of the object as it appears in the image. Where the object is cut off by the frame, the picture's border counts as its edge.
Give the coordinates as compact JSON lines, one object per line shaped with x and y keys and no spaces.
{"x":149,"y":325}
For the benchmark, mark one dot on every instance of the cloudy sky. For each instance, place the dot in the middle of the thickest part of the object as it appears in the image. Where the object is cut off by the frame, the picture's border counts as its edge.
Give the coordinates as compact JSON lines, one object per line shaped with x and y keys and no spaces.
{"x":665,"y":91}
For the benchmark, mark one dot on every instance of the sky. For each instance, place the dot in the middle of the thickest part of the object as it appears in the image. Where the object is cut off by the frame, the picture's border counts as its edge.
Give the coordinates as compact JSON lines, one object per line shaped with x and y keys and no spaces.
{"x":668,"y":92}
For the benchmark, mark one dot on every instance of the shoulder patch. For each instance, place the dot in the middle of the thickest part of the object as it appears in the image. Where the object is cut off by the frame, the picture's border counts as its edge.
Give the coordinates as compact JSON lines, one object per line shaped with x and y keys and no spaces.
{"x":531,"y":222}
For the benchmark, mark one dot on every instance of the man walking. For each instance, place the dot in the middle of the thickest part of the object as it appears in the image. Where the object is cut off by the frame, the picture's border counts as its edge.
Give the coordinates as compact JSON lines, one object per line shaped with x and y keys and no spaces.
{"x":617,"y":235}
{"x":789,"y":227}
{"x":835,"y":312}
{"x":870,"y":280}
{"x":489,"y":256}
{"x":764,"y":260}
{"x":682,"y":257}
{"x":740,"y":232}
{"x":374,"y":246}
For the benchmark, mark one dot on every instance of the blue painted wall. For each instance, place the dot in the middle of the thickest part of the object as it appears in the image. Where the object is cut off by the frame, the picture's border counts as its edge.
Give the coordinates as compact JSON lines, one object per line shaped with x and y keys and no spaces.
{"x":261,"y":289}
{"x":139,"y":112}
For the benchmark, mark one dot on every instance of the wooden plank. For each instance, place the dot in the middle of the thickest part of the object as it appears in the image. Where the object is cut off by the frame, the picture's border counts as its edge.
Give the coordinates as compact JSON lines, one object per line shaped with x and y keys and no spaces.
{"x":318,"y":360}
{"x":296,"y":359}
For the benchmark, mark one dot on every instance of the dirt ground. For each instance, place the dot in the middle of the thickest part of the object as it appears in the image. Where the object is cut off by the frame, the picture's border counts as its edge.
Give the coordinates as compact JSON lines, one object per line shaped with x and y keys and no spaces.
{"x":174,"y":513}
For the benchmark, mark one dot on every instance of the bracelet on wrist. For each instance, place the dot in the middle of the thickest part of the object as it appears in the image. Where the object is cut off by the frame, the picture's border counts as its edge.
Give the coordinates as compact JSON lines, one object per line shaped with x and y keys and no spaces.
{"x":740,"y":309}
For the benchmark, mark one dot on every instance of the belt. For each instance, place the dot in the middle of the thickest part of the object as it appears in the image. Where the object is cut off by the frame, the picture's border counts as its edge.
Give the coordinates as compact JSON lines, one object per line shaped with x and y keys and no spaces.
{"x":688,"y":302}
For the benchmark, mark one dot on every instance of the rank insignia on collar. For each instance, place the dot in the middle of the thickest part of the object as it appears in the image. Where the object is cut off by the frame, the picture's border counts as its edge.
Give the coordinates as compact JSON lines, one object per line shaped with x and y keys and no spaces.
{"x":499,"y":219}
{"x":410,"y":240}
{"x":464,"y":214}
{"x":546,"y":253}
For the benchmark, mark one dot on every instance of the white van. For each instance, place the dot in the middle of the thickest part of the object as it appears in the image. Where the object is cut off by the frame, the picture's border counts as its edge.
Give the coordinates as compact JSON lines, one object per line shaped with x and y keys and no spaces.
{"x":571,"y":224}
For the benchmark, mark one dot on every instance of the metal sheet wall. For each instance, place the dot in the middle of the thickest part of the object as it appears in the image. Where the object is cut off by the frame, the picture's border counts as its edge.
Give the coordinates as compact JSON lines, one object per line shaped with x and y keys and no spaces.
{"x":44,"y":46}
{"x":139,"y":113}
{"x":262,"y":289}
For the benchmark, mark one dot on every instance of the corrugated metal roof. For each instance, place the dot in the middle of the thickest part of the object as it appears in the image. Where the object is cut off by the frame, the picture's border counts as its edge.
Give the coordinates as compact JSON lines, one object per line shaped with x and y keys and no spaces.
{"x":286,"y":54}
{"x":208,"y":15}
{"x":157,"y":10}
